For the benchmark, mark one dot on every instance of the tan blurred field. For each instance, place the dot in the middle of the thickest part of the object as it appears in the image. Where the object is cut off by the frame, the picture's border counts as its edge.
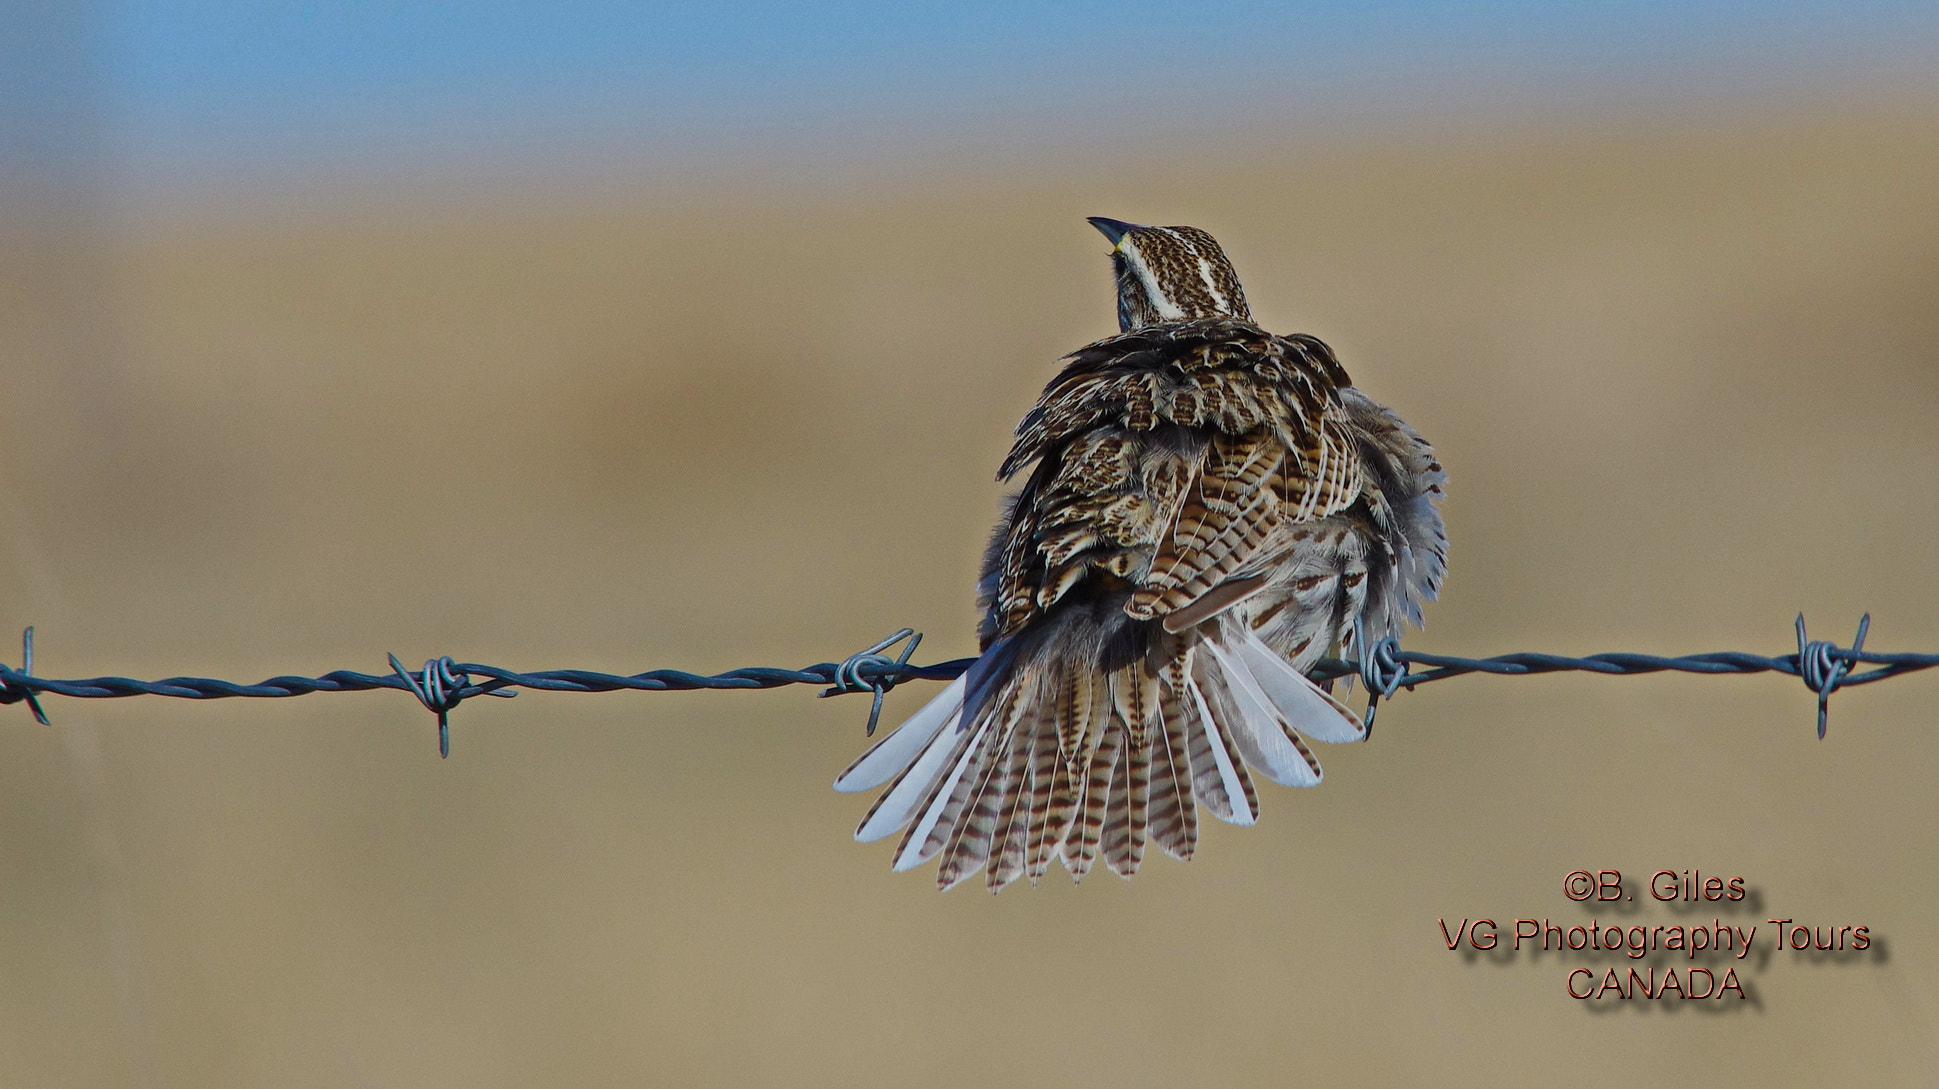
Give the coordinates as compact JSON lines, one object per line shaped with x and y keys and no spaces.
{"x":1686,"y":383}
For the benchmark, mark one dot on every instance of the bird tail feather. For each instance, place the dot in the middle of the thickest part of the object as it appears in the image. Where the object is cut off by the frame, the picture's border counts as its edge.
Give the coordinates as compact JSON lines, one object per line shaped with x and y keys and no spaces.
{"x":1072,"y":756}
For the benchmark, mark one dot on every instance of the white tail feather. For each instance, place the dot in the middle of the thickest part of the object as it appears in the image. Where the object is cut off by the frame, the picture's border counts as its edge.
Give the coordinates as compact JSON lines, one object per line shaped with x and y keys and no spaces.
{"x":1235,"y":790}
{"x":1304,"y":705}
{"x":1261,"y":732}
{"x":899,"y":804}
{"x":898,"y":750}
{"x":1212,"y":678}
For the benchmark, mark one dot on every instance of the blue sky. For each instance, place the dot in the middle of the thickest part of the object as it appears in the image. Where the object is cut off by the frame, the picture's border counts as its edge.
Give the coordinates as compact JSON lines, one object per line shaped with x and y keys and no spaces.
{"x":188,"y":87}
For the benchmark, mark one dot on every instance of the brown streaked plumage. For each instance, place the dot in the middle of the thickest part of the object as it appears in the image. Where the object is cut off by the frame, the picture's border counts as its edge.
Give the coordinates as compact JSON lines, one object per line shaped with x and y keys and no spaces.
{"x":1212,"y":508}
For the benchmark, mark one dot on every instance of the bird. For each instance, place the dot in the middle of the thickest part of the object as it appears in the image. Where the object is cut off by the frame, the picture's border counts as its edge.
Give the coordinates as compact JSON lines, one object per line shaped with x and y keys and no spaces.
{"x":1206,"y":510}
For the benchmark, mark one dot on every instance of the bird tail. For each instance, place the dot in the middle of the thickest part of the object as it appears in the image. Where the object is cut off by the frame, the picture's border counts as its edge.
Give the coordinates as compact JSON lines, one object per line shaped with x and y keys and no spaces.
{"x":1076,"y":743}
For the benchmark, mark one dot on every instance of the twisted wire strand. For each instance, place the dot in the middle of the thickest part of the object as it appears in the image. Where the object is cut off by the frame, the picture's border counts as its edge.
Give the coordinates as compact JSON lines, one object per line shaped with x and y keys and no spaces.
{"x":444,"y":683}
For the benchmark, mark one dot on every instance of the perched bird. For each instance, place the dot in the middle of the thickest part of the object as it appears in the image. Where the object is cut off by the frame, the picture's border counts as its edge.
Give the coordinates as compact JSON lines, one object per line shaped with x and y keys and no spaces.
{"x":1212,"y":509}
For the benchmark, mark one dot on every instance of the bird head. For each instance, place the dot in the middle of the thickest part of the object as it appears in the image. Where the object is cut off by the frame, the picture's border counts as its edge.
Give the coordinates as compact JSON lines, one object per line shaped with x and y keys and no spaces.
{"x":1170,"y":274}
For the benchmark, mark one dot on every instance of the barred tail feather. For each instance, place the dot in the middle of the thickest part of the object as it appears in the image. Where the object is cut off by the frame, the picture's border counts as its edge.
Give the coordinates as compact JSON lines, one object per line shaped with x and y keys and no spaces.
{"x":1081,"y":845}
{"x":1013,"y":813}
{"x":1050,"y":811}
{"x":966,"y":819}
{"x":1172,"y":812}
{"x":983,"y":828}
{"x":1126,"y":813}
{"x":917,"y":844}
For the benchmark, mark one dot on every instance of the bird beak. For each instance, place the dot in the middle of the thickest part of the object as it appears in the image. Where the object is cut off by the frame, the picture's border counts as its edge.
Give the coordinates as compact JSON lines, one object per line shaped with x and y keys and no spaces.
{"x":1114,"y":229}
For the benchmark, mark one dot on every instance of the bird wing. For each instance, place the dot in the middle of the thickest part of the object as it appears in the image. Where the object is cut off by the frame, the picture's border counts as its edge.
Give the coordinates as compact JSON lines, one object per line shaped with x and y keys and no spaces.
{"x":1294,"y":461}
{"x":1174,"y":458}
{"x":1232,"y":526}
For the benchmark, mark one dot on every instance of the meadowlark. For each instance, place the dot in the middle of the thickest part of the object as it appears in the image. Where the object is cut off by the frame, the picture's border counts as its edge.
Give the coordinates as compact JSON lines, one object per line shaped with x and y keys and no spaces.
{"x":1212,"y":509}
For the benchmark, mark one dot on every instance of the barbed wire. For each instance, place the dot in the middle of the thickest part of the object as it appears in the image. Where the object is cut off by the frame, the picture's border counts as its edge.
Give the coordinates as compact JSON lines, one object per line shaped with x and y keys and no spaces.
{"x":444,"y":683}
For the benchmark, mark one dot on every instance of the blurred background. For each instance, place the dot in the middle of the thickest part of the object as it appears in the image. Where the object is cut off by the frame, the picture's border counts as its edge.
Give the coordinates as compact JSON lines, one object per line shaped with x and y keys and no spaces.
{"x":622,"y":336}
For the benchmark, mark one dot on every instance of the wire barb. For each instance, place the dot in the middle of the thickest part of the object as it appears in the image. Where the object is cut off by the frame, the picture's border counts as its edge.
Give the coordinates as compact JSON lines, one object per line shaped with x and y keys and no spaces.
{"x":440,"y":687}
{"x":1823,"y":665}
{"x":1381,"y":669}
{"x":13,"y":686}
{"x":883,"y":672}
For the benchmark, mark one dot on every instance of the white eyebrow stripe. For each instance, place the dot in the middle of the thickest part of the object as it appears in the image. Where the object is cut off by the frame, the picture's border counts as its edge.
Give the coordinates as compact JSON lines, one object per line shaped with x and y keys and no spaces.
{"x":1205,"y":273}
{"x":1166,"y":308}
